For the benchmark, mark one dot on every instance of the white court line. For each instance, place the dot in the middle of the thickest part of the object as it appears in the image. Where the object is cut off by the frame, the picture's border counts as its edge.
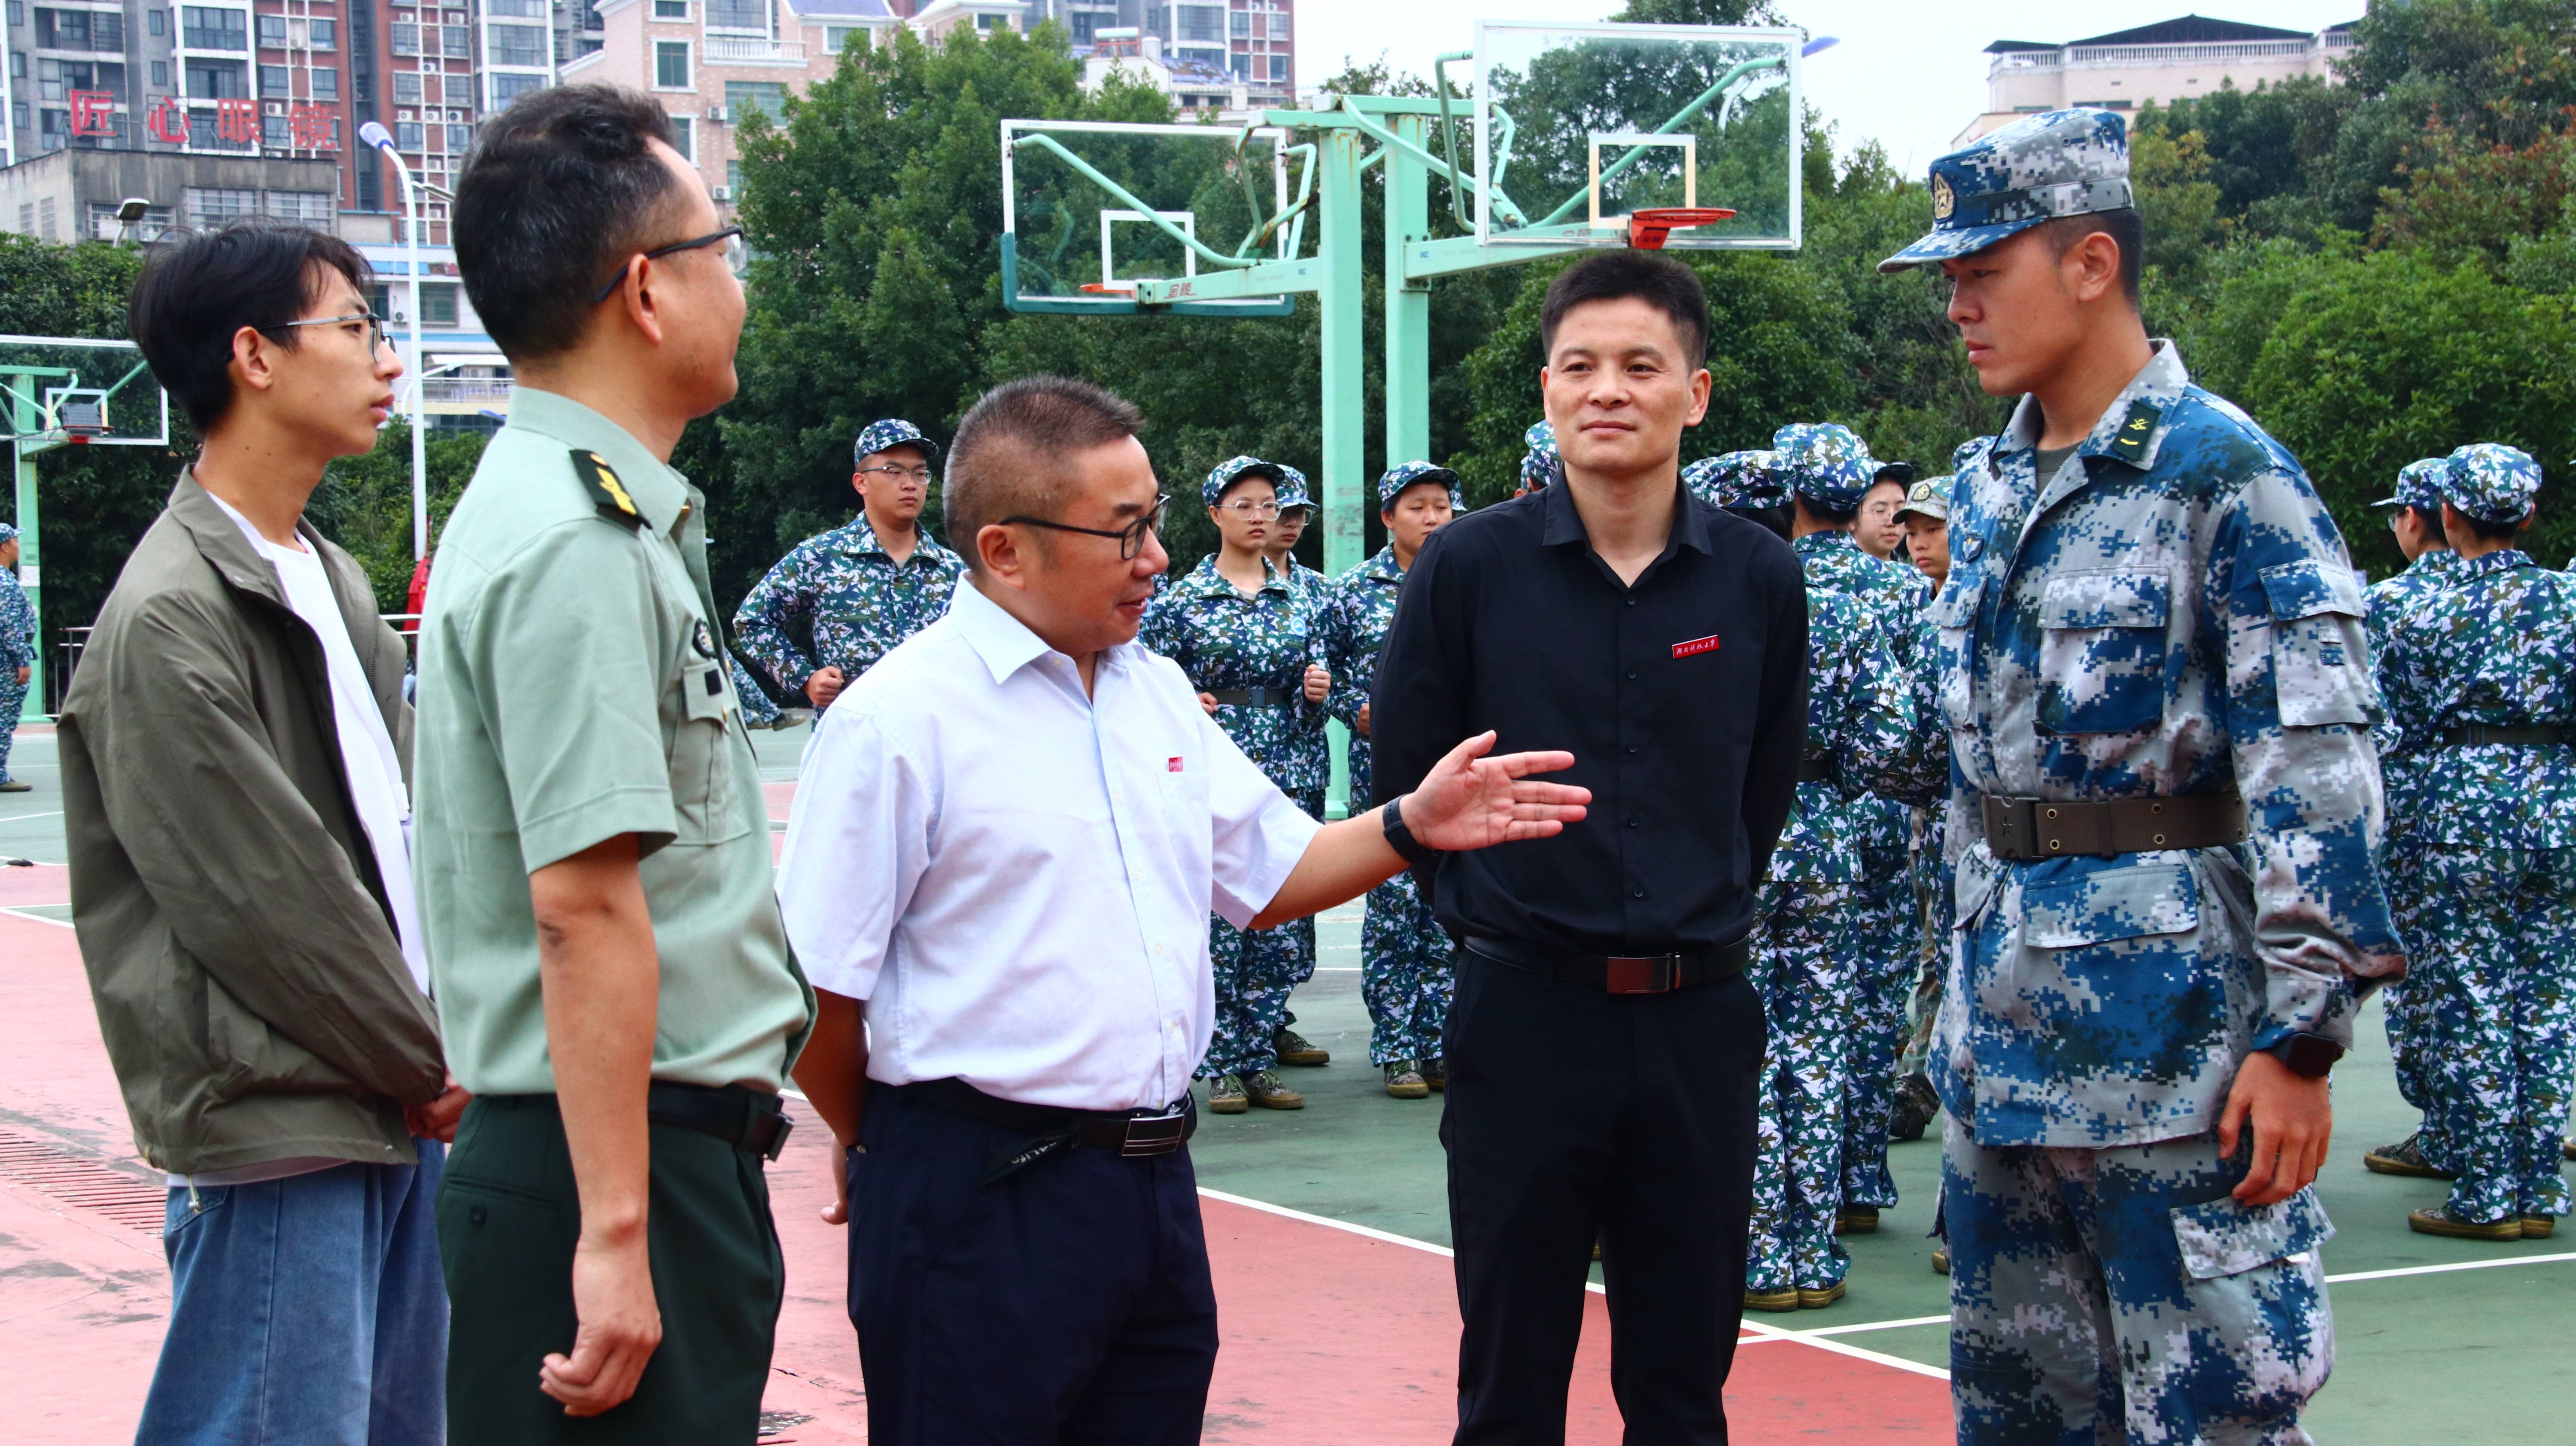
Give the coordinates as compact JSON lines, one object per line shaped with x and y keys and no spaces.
{"x":2446,"y":1269}
{"x":18,"y":817}
{"x":36,"y":918}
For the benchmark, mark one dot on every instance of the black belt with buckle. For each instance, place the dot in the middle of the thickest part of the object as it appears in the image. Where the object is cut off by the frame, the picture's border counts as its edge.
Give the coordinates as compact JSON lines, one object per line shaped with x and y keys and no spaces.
{"x":1253,"y":697}
{"x":2533,"y":735}
{"x":2025,"y":830}
{"x":746,"y":1118}
{"x":1620,"y":973}
{"x":1819,"y":770}
{"x":1131,"y":1133}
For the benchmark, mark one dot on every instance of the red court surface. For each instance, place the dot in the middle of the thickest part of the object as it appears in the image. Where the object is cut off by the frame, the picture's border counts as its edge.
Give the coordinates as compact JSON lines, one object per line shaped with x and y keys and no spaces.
{"x":1331,"y":1335}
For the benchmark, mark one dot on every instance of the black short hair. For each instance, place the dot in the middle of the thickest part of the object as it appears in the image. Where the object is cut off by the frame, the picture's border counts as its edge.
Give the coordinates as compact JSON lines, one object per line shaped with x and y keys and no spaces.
{"x":2126,"y":228}
{"x":198,"y":289}
{"x":1001,"y":463}
{"x":1661,"y":282}
{"x":1830,"y":516}
{"x":2430,"y":521}
{"x":1774,"y":518}
{"x":2486,"y":531}
{"x":558,"y":188}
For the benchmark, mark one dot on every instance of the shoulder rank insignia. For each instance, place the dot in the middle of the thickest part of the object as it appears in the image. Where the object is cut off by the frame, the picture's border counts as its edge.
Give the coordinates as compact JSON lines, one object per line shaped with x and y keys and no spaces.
{"x":606,"y":492}
{"x":2135,"y":431}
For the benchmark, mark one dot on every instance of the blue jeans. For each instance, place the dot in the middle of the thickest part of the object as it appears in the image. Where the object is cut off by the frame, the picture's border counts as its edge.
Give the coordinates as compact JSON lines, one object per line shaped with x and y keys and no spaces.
{"x":306,"y":1310}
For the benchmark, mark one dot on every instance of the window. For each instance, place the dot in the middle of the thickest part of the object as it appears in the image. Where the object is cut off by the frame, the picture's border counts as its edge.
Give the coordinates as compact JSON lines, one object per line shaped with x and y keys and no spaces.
{"x":406,"y":39}
{"x":380,"y":299}
{"x":1241,"y":63}
{"x":1084,"y":23}
{"x":406,"y":87}
{"x":671,"y":64}
{"x":325,"y":34}
{"x":738,"y":15}
{"x":670,"y":9}
{"x":733,"y":177}
{"x":18,"y":67}
{"x":684,"y":138}
{"x":1201,"y":22}
{"x":766,"y":96}
{"x":217,"y":80}
{"x":438,"y":303}
{"x":407,"y":136}
{"x":837,"y":38}
{"x":272,"y":30}
{"x":460,"y":42}
{"x":1279,"y":25}
{"x":103,"y":225}
{"x":516,"y":9}
{"x":312,"y":208}
{"x":326,"y":83}
{"x":160,"y":74}
{"x":273,"y":133}
{"x":209,"y":207}
{"x":1279,"y":67}
{"x":1239,"y":24}
{"x":158,"y":20}
{"x":507,"y":88}
{"x":17,"y":14}
{"x":515,"y":45}
{"x":460,"y":138}
{"x":203,"y":27}
{"x":272,"y":80}
{"x":45,"y":216}
{"x":992,"y":22}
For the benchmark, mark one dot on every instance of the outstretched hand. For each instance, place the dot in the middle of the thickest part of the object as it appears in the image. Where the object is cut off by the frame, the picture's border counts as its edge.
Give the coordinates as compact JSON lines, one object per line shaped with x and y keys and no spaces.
{"x":1470,"y":801}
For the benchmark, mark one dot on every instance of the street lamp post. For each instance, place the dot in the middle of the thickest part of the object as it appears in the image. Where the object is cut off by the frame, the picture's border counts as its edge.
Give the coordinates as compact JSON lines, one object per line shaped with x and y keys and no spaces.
{"x":374,"y":134}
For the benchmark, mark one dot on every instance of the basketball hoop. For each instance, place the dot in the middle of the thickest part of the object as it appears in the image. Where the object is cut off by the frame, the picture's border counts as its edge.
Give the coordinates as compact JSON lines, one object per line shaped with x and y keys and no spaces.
{"x":1648,"y":229}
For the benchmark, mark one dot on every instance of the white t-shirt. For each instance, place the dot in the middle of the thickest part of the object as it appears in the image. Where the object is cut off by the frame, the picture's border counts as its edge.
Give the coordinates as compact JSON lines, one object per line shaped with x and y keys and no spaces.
{"x":374,"y":772}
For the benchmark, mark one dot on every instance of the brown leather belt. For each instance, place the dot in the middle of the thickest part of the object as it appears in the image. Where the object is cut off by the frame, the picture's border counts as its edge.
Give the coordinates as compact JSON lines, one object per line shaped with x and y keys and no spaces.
{"x":2533,"y":735}
{"x":2021,"y":830}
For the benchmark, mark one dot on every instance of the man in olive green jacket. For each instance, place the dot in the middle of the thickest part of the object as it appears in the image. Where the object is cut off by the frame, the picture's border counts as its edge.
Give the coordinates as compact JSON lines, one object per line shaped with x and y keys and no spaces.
{"x":234,"y":750}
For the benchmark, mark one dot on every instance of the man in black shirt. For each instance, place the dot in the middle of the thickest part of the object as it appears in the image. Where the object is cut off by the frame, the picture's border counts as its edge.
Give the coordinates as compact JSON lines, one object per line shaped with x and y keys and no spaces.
{"x":1604,"y":1044}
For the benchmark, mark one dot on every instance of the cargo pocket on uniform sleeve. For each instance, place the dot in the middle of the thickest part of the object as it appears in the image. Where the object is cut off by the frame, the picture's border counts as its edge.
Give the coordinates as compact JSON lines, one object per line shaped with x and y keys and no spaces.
{"x":2258,"y":1295}
{"x":2320,"y":663}
{"x":2102,"y":651}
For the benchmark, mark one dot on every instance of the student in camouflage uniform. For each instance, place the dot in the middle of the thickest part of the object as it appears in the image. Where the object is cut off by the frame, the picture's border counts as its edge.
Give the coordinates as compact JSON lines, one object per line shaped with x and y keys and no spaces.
{"x":1249,"y":646}
{"x":1925,"y":516}
{"x":1311,"y":745}
{"x":839,"y":601}
{"x":1540,"y":465}
{"x":17,"y":651}
{"x":2149,"y":609}
{"x":1860,"y":733}
{"x":2482,"y":680}
{"x":2406,"y":775}
{"x":1405,"y":976}
{"x":1830,"y":473}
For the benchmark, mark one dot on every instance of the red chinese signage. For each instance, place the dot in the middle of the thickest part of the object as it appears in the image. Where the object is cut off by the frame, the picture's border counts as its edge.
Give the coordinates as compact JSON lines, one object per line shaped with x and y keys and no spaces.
{"x":313,"y":128}
{"x":93,"y":113}
{"x":237,"y":121}
{"x":167,"y":121}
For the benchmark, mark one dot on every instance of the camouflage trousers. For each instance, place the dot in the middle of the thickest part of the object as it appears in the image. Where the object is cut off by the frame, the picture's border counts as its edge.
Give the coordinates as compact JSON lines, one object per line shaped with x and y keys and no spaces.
{"x":1804,"y":958}
{"x":1405,"y":974}
{"x":2407,"y":1004}
{"x":2121,"y":1295}
{"x":13,"y":701}
{"x":1889,"y":924}
{"x":1255,"y":973}
{"x":2500,"y":1028}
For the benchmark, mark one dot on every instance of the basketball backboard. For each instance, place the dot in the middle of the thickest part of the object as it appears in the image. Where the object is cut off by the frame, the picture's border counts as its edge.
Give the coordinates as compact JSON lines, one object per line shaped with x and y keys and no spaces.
{"x":1580,"y":126}
{"x":1090,"y":208}
{"x":57,"y":390}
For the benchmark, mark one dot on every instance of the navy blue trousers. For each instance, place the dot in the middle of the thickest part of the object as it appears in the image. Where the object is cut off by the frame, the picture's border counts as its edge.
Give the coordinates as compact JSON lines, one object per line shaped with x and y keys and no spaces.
{"x":1067,"y":1302}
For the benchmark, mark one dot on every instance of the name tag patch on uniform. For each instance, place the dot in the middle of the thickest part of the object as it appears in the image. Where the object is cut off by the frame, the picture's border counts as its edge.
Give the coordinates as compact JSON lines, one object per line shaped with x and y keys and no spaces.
{"x":1171,"y":765}
{"x":1695,"y":647}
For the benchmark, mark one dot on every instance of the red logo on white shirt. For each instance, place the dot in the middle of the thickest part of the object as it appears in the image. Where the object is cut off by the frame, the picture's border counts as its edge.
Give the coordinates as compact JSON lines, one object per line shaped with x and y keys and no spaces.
{"x":1171,"y":765}
{"x":1695,"y":647}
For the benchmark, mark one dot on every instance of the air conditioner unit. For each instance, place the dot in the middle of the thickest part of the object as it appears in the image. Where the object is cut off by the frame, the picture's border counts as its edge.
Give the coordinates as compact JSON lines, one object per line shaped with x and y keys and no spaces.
{"x":721,"y":193}
{"x":716,"y":114}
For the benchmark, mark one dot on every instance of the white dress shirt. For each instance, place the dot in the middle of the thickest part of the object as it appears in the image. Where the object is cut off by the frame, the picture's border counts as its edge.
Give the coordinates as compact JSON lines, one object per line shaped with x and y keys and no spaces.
{"x":1016,"y":877}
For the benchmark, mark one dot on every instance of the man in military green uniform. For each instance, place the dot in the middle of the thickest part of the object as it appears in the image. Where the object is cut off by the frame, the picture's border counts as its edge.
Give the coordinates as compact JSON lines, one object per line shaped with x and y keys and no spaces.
{"x":593,"y":849}
{"x":839,"y":601}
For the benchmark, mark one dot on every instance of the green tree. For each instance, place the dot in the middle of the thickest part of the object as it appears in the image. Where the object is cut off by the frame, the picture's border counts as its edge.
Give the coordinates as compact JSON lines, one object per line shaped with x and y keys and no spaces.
{"x":364,"y":503}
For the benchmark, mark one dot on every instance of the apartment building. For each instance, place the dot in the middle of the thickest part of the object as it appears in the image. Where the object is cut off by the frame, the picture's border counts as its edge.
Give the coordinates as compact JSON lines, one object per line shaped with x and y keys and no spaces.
{"x":2165,"y":62}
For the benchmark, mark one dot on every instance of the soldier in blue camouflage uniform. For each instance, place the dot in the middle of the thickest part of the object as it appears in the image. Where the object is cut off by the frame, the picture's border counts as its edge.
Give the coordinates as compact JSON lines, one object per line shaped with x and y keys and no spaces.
{"x":1253,"y":654}
{"x":2163,"y":809}
{"x":1860,"y":734}
{"x":1831,"y":471}
{"x":2415,"y":517}
{"x":1405,"y":974}
{"x":2482,"y":683}
{"x":17,"y":651}
{"x":839,"y":601}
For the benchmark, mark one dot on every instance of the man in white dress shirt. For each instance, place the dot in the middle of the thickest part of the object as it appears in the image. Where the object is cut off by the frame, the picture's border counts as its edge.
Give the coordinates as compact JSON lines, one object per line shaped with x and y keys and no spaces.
{"x":1007,"y":842}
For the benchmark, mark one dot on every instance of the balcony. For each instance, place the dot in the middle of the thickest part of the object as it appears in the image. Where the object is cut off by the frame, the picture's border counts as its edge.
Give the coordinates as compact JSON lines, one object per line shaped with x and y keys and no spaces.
{"x":463,"y":394}
{"x":731,"y":50}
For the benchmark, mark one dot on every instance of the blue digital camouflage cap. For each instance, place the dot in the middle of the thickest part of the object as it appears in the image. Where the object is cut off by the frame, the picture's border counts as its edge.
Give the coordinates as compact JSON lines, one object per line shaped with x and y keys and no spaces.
{"x":1292,"y":489}
{"x":1235,"y":469}
{"x":1392,"y":485}
{"x":1927,"y":498}
{"x":1738,"y":479}
{"x":7,"y":533}
{"x":1827,"y":463}
{"x":2062,"y":163}
{"x":2491,"y":482}
{"x":892,"y":432}
{"x":2419,"y":485}
{"x":1540,"y":465}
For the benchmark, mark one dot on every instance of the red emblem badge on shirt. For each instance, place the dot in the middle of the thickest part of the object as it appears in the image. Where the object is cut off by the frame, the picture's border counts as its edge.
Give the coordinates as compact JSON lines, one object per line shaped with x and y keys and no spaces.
{"x":1171,"y":765}
{"x":1695,"y":647}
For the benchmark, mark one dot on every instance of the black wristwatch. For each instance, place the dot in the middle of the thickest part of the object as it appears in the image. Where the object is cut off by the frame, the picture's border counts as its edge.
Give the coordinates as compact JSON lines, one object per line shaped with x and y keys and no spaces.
{"x":2311,"y":1056}
{"x":1400,"y":838}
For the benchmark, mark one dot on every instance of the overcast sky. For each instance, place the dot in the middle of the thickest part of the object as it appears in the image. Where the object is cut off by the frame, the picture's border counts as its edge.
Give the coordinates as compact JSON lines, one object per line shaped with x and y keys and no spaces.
{"x":1908,"y":74}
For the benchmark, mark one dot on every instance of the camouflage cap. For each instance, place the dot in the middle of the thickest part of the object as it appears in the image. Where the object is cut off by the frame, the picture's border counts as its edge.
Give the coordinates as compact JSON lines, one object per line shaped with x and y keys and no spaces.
{"x":2062,"y":163}
{"x":2419,"y":485}
{"x":1738,"y":479}
{"x":2491,"y":482}
{"x":8,"y":533}
{"x":1292,"y":488}
{"x":892,"y":432}
{"x":1540,"y":465}
{"x":1927,"y":498}
{"x":1234,"y":469}
{"x":1827,"y":463}
{"x":1392,"y":485}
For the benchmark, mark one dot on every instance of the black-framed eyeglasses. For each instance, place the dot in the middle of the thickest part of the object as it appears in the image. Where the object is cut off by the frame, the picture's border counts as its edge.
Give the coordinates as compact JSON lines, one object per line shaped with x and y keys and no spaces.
{"x":1131,"y":538}
{"x":375,"y":327}
{"x":730,"y":238}
{"x":899,"y":474}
